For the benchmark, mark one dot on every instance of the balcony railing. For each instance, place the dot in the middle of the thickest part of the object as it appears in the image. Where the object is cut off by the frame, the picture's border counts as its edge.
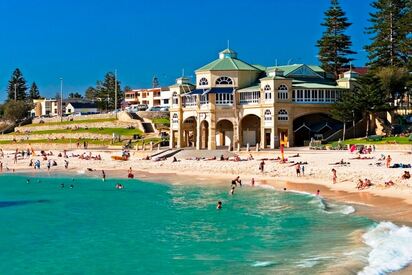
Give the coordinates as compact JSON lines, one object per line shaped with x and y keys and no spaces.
{"x":249,"y":98}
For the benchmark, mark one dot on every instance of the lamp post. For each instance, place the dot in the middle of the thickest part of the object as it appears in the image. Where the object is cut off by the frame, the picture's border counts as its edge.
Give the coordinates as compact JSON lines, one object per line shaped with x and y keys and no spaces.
{"x":61,"y":98}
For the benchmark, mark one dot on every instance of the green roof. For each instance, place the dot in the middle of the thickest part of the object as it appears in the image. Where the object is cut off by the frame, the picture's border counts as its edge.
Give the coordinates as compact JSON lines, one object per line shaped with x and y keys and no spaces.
{"x":288,"y":69}
{"x":250,"y":89}
{"x":314,"y":84}
{"x":260,"y":67}
{"x":228,"y":64}
{"x":272,"y":77}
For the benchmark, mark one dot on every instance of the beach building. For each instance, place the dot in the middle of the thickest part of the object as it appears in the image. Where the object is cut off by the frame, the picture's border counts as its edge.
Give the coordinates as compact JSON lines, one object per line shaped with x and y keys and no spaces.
{"x":45,"y":107}
{"x":81,"y":108}
{"x":151,"y":97}
{"x":236,"y":104}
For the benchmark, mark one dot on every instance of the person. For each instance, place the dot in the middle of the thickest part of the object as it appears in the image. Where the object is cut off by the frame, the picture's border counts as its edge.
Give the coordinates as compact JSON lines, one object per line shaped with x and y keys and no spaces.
{"x":66,"y":164}
{"x":284,"y":188}
{"x":303,"y":170}
{"x":219,"y":205}
{"x":360,"y":184}
{"x":103,"y":175}
{"x":31,"y":163}
{"x":62,"y":185}
{"x":318,"y":192}
{"x":28,"y":181}
{"x":174,"y":159}
{"x":119,"y":186}
{"x":297,"y":167}
{"x":262,"y":166}
{"x":389,"y":183}
{"x":253,"y":182}
{"x":71,"y":186}
{"x":334,"y":176}
{"x":1,"y":166}
{"x":236,"y":181}
{"x":388,"y":161}
{"x":232,"y":191}
{"x":48,"y":166}
{"x":406,"y":175}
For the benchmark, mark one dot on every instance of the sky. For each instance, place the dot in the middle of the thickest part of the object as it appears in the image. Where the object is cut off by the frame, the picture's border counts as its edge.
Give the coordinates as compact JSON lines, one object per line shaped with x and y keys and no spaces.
{"x":81,"y":40}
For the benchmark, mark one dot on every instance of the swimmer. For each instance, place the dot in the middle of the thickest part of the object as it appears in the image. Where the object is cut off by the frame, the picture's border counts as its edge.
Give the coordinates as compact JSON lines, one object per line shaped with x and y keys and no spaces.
{"x":318,"y":192}
{"x":71,"y":186}
{"x":232,"y":190}
{"x":219,"y":205}
{"x":103,"y":175}
{"x":284,"y":189}
{"x":28,"y":181}
{"x":62,"y":185}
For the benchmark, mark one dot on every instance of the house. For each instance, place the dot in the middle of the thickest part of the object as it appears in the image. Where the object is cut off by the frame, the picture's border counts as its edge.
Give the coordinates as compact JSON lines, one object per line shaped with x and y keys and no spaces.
{"x":151,"y":97}
{"x":236,"y":104}
{"x":81,"y":108}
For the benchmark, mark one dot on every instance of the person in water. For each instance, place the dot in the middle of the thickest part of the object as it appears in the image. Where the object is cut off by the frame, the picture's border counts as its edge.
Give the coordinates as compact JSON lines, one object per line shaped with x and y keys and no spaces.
{"x":318,"y":192}
{"x":232,"y":191}
{"x":103,"y":175}
{"x":219,"y":205}
{"x":236,"y":181}
{"x":252,"y":182}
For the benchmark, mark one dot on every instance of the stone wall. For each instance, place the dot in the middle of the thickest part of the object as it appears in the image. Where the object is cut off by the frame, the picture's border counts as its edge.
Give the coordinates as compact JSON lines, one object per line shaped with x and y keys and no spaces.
{"x":73,"y":136}
{"x":74,"y":118}
{"x":107,"y":124}
{"x":152,"y":115}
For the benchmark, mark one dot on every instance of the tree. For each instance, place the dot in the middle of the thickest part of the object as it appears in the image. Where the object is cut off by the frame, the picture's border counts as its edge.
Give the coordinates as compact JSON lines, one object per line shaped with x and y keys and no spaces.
{"x":34,"y":92}
{"x":17,"y":88}
{"x":90,"y":93}
{"x":16,"y":110}
{"x":105,"y":92}
{"x":391,"y":28}
{"x":343,"y":110}
{"x":334,"y":46}
{"x":75,"y":95}
{"x":369,"y":98}
{"x":393,"y":81}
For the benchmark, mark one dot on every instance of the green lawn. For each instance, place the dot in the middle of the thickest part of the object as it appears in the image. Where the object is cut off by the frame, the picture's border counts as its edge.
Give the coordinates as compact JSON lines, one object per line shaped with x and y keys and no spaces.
{"x":73,"y":122}
{"x":385,"y":140}
{"x":104,"y":131}
{"x":163,"y":121}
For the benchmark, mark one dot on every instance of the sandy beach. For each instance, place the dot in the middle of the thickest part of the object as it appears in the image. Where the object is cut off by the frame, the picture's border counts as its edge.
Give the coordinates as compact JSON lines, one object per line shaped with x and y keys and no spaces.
{"x":393,"y":202}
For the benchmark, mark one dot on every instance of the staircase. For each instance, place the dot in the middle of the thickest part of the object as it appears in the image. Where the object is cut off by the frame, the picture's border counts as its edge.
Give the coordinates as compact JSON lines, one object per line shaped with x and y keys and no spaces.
{"x":148,"y":127}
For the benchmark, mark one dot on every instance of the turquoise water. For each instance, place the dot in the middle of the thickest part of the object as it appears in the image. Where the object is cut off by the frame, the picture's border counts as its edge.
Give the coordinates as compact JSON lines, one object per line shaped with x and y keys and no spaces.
{"x":153,"y":228}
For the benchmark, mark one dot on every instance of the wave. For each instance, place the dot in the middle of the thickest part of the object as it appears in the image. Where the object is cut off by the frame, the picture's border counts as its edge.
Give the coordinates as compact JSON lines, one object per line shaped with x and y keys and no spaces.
{"x":332,"y":207}
{"x":311,"y":262}
{"x":391,"y":248}
{"x":263,"y":263}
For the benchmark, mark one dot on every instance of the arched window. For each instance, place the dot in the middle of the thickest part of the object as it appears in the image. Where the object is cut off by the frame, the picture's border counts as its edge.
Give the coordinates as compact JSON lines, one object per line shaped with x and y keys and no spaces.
{"x":283,"y":92}
{"x":282,"y":115}
{"x":203,"y":82}
{"x":268,"y":92}
{"x":175,"y":119}
{"x":224,"y":80}
{"x":268,"y":115}
{"x":175,"y":99}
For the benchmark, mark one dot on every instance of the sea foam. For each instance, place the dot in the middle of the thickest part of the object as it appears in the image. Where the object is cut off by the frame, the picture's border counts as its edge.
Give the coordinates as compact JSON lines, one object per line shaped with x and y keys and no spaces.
{"x":391,"y":248}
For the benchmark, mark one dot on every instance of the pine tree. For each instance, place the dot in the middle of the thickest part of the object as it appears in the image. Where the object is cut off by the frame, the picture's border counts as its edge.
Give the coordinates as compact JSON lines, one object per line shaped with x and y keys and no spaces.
{"x":390,"y":30}
{"x":90,"y":93}
{"x":105,"y":92}
{"x":343,"y":110}
{"x":34,"y":92}
{"x":334,"y":46}
{"x":17,"y":88}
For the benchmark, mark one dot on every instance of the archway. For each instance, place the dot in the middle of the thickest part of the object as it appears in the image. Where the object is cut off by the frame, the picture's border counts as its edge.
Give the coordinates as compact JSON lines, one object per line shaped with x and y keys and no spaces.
{"x":250,"y":130}
{"x":189,"y":132}
{"x":204,"y":134}
{"x":224,"y":133}
{"x":313,"y":126}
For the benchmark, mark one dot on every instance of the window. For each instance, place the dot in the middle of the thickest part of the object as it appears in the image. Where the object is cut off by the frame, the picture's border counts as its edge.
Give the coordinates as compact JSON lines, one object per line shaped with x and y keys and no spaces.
{"x":165,"y":101}
{"x":224,"y":80}
{"x":224,"y":99}
{"x":204,"y":99}
{"x":283,"y":92}
{"x":282,"y":115}
{"x":189,"y":101}
{"x":203,"y":82}
{"x":321,"y":95}
{"x":268,"y":93}
{"x":249,"y":97}
{"x":268,"y":115}
{"x":175,"y":99}
{"x":175,"y":119}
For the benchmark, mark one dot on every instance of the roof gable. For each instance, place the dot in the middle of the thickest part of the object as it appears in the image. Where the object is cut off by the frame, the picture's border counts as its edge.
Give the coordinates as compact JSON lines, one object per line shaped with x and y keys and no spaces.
{"x":303,"y":71}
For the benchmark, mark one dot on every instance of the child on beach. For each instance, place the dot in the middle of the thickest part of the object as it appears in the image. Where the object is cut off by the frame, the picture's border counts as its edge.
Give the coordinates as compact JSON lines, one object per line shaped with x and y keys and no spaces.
{"x":334,"y":177}
{"x":297,"y":167}
{"x":262,"y":166}
{"x":388,"y":161}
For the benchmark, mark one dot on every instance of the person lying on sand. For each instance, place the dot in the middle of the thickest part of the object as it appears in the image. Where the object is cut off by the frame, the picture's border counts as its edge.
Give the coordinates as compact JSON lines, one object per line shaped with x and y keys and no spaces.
{"x":364,"y":184}
{"x":406,"y":175}
{"x":359,"y":157}
{"x":341,"y":162}
{"x":295,"y":156}
{"x":389,"y":183}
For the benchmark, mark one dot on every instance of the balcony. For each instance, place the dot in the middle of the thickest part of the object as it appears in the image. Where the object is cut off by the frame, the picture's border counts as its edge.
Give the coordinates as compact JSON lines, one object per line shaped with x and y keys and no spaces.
{"x":249,"y":98}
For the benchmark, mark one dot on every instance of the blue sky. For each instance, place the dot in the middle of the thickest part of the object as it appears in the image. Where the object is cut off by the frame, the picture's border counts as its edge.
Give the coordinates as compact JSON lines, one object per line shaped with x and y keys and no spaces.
{"x":82,"y":40}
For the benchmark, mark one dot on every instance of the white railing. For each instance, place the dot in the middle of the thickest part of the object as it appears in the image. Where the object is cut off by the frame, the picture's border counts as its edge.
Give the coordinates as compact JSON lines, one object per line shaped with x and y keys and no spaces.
{"x":250,"y":97}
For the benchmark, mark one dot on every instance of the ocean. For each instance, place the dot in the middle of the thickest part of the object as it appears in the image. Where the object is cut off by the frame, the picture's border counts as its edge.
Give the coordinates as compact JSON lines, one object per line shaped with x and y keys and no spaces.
{"x":157,"y":228}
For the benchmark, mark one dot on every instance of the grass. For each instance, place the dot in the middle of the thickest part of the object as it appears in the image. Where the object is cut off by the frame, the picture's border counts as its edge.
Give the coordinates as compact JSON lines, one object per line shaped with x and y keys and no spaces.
{"x":103,"y":131}
{"x":73,"y":122}
{"x":161,"y":120}
{"x":385,"y":140}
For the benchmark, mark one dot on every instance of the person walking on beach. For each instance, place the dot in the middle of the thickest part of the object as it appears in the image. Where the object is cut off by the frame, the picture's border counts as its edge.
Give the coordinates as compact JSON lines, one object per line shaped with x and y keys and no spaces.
{"x":297,"y":167}
{"x":334,"y":177}
{"x":66,"y":164}
{"x":388,"y":161}
{"x":15,"y":156}
{"x":252,"y":182}
{"x":303,"y":170}
{"x":262,"y":166}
